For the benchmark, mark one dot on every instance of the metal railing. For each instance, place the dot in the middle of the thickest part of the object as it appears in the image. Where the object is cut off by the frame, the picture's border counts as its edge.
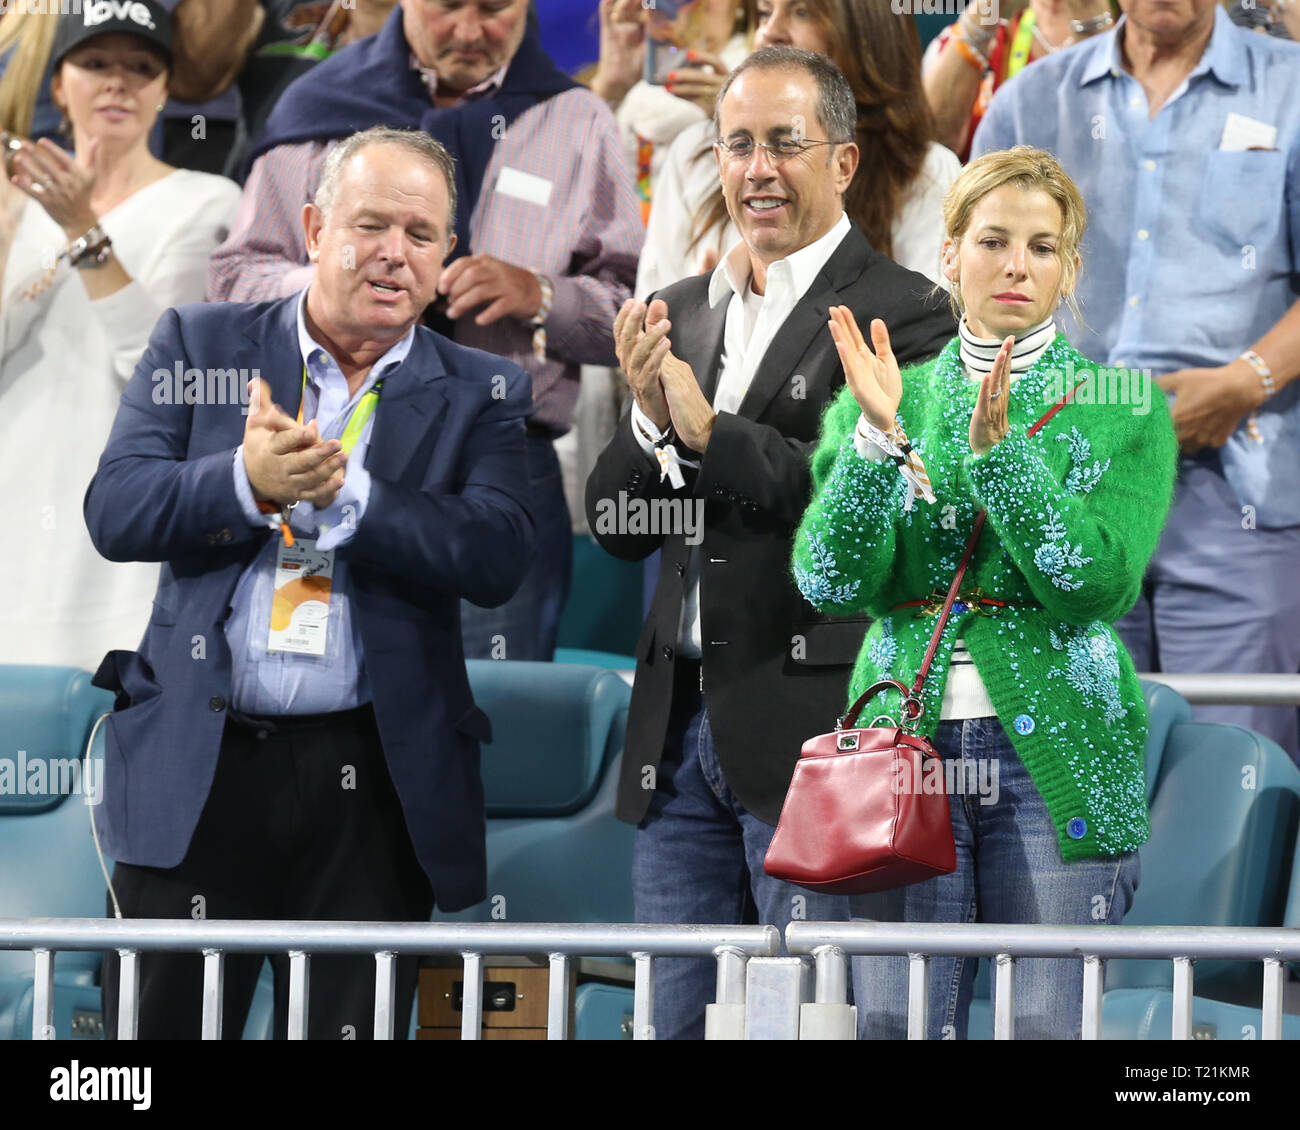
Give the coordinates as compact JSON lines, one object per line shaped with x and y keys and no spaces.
{"x":830,"y":943}
{"x":1231,"y":689}
{"x":731,"y":946}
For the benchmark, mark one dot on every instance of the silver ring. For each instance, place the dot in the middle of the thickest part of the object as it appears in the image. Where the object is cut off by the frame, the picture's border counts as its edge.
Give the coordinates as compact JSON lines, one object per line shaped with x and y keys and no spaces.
{"x":39,"y":187}
{"x":995,"y":395}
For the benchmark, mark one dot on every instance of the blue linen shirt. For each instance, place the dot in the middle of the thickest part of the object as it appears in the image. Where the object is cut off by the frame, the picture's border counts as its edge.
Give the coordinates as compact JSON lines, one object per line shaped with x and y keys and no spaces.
{"x":285,"y":683}
{"x":1192,"y":253}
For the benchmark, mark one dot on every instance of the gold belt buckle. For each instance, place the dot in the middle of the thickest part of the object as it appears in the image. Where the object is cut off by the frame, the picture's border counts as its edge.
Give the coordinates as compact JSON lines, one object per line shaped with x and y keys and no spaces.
{"x":972,"y":598}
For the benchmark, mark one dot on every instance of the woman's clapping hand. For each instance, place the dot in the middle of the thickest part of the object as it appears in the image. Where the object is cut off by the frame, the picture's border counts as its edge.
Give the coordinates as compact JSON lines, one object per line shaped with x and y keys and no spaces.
{"x":871,"y":374}
{"x":988,"y":423}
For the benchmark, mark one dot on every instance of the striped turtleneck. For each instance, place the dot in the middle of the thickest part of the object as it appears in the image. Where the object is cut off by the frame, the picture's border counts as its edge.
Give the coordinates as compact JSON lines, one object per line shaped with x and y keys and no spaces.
{"x":979,"y":353}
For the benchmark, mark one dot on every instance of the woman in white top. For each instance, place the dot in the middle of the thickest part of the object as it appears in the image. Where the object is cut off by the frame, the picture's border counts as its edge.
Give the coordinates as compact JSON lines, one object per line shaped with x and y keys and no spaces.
{"x":896,"y":197}
{"x":140,"y":233}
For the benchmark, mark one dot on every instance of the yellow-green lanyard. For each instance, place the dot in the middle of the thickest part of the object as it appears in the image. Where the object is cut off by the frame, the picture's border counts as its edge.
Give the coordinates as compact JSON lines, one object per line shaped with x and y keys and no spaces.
{"x":360,"y":414}
{"x":1021,"y":45}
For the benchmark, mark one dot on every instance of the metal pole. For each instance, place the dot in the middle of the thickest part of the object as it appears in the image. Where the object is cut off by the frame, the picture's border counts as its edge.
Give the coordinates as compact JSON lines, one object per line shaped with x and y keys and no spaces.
{"x":828,"y":1016}
{"x":918,"y":996}
{"x":471,"y":998}
{"x":1182,"y":998}
{"x":643,"y":997}
{"x":447,"y":938}
{"x":557,"y":1000}
{"x":299,"y":989}
{"x":832,"y":975}
{"x":724,"y":1019}
{"x":128,"y":995}
{"x":385,"y":993}
{"x":730,"y":986}
{"x":1093,"y":980}
{"x":1231,"y":688}
{"x":1274,"y":984}
{"x":1004,"y":990}
{"x":214,"y":983}
{"x":43,"y":994}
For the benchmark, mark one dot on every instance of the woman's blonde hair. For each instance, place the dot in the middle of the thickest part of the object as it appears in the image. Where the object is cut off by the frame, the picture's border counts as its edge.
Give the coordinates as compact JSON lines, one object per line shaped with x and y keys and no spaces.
{"x":1029,"y":169}
{"x":29,"y":37}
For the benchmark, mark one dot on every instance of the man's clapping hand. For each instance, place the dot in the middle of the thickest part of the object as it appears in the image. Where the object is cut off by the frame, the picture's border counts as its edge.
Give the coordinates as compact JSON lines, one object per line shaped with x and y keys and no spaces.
{"x":288,"y":462}
{"x":641,"y":354}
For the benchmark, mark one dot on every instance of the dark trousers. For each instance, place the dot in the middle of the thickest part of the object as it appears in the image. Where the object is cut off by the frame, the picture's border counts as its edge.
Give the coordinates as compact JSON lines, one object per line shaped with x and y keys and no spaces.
{"x":302,"y":822}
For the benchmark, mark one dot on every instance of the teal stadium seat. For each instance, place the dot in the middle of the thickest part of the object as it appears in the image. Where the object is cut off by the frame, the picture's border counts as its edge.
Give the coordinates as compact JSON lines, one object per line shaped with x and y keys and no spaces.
{"x":1225,"y":822}
{"x":556,"y":852}
{"x":1220,"y":854}
{"x":603,"y":612}
{"x":49,"y":865}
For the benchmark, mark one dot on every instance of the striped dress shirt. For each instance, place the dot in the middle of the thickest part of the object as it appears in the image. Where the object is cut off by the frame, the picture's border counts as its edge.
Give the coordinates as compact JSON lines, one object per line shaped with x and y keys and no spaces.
{"x":574,"y":217}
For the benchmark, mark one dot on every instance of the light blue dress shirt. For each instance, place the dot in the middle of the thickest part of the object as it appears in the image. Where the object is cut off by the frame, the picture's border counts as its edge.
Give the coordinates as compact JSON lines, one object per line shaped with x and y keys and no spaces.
{"x":285,"y":683}
{"x":1192,"y":252}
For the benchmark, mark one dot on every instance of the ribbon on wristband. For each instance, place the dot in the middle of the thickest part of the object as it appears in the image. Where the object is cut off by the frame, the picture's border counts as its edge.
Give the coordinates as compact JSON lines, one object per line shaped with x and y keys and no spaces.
{"x":669,"y":458}
{"x":894,"y":443}
{"x":671,"y":464}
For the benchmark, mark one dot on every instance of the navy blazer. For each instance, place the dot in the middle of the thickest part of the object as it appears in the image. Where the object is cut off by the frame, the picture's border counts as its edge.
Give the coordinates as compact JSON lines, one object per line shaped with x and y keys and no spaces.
{"x":448,"y":517}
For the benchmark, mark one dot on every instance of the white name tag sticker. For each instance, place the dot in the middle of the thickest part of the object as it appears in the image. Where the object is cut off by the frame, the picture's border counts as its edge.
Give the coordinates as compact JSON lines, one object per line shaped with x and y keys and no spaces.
{"x":1241,"y":133}
{"x":525,"y":186}
{"x":300,"y":608}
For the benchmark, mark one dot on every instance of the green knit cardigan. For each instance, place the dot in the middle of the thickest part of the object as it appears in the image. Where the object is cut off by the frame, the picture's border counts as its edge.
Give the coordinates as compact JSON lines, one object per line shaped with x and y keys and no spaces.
{"x":1074,"y":514}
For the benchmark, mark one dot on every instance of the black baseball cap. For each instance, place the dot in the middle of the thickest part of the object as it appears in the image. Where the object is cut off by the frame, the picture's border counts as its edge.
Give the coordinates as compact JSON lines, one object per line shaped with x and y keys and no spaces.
{"x":142,"y":18}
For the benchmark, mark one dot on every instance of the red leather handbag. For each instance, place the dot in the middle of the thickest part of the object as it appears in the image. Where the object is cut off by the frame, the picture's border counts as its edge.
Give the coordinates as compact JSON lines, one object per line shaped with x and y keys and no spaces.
{"x":856,"y":819}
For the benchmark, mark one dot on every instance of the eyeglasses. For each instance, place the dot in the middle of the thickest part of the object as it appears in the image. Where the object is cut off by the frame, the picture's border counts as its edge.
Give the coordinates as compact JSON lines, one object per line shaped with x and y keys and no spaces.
{"x":742,"y":148}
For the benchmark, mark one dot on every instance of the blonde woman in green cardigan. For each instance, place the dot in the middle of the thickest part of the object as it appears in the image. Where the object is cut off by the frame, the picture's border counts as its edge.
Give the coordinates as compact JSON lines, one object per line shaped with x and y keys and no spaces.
{"x":1031,"y":699}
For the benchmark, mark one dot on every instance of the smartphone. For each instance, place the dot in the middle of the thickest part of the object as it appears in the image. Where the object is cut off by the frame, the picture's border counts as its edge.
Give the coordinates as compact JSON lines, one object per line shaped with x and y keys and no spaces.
{"x":661,"y":60}
{"x":664,"y":53}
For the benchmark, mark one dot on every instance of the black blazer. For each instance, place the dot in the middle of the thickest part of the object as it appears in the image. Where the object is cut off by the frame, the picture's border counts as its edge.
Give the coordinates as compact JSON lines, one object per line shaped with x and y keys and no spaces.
{"x":775,"y":670}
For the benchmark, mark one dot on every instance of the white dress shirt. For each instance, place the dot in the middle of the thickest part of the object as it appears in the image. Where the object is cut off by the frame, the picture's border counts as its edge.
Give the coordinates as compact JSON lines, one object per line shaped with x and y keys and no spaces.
{"x":752,"y":322}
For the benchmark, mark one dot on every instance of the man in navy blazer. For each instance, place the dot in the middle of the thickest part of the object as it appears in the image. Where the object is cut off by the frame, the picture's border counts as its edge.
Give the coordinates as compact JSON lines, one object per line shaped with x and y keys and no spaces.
{"x":295,"y":737}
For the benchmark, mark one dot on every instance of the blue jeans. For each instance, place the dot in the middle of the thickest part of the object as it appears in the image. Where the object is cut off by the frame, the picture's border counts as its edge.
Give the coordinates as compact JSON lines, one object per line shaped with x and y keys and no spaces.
{"x":526,"y":626}
{"x":698,"y":859}
{"x":1009,"y":870}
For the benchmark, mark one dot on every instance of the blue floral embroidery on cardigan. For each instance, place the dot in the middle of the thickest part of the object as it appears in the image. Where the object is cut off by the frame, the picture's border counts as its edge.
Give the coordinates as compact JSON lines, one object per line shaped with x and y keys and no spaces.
{"x":816,"y":584}
{"x":1091,"y":666}
{"x":883,"y":650}
{"x":1082,"y":478}
{"x":1054,"y":559}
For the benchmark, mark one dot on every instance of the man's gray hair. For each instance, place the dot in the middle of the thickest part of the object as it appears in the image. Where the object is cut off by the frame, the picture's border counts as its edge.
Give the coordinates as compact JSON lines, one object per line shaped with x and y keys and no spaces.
{"x":417,"y":141}
{"x":837,"y":109}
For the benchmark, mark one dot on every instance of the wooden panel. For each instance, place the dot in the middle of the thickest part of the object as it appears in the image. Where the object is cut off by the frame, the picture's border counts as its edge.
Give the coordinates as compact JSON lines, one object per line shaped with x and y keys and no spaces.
{"x":488,"y":1033}
{"x":439,"y":986}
